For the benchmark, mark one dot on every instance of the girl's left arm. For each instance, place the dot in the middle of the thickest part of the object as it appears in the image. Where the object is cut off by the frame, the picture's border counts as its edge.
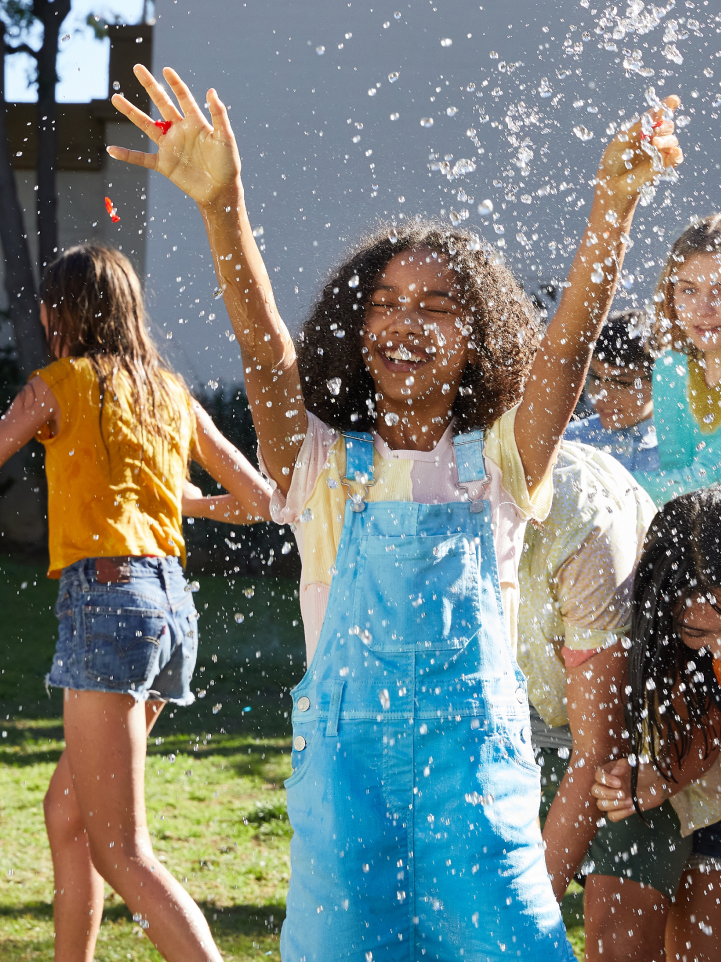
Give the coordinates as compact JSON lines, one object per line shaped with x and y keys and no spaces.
{"x":595,"y":715}
{"x":633,"y":159}
{"x":34,"y":406}
{"x":249,"y":498}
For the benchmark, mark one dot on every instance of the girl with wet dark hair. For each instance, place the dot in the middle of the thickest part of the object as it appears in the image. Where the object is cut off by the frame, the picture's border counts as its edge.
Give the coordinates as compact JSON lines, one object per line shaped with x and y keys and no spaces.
{"x":673,"y":722}
{"x":409,"y":440}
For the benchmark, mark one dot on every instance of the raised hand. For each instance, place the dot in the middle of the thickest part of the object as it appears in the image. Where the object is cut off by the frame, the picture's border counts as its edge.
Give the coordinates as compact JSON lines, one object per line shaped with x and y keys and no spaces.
{"x":201,"y":159}
{"x":638,"y":156}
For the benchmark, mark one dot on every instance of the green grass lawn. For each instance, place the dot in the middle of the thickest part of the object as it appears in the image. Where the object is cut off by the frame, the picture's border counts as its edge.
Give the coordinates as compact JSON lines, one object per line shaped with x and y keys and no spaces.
{"x":215,"y":772}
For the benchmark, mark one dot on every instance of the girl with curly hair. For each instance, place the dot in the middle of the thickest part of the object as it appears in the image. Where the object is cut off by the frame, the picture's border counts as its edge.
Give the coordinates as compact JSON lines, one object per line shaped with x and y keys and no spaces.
{"x":409,"y":438}
{"x":655,"y":798}
{"x":687,"y":373}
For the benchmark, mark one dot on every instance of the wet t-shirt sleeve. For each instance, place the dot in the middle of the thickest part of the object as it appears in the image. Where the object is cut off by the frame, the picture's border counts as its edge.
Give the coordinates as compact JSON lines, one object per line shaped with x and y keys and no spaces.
{"x":501,"y":448}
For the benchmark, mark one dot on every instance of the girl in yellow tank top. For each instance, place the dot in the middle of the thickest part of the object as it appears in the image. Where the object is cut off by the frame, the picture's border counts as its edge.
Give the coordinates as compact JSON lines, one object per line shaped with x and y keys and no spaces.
{"x":118,"y":429}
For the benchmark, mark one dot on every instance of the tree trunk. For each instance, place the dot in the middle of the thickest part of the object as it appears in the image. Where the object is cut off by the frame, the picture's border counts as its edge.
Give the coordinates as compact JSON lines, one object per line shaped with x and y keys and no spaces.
{"x":19,"y":281}
{"x":51,"y":15}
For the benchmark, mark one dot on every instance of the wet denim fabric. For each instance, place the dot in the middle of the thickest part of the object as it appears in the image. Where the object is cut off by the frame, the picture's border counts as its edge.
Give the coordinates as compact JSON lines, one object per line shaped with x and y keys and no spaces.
{"x":139,"y":638}
{"x":415,"y":794}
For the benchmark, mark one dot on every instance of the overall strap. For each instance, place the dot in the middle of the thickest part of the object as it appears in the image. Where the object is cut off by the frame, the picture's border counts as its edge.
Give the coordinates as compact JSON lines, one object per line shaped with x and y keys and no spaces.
{"x":358,"y":466}
{"x":470,"y":462}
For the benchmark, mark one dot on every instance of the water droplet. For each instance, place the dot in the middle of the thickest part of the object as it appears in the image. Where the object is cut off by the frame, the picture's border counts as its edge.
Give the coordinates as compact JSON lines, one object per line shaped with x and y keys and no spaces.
{"x":395,"y":116}
{"x":333,"y":386}
{"x":392,"y":77}
{"x":397,"y":15}
{"x":348,"y":36}
{"x":116,"y":85}
{"x":391,"y":419}
{"x":426,"y":121}
{"x":562,"y":72}
{"x":446,"y":42}
{"x":485,"y":208}
{"x":217,"y":293}
{"x":597,"y":276}
{"x":671,"y":52}
{"x":682,"y":121}
{"x":393,"y":235}
{"x":612,"y":217}
{"x":544,"y":88}
{"x":583,"y":133}
{"x":66,"y":37}
{"x":451,"y":111}
{"x":320,"y":51}
{"x":372,"y":92}
{"x":240,"y":618}
{"x":494,"y":56}
{"x":287,"y":547}
{"x":354,"y":281}
{"x":386,"y":24}
{"x":249,"y":592}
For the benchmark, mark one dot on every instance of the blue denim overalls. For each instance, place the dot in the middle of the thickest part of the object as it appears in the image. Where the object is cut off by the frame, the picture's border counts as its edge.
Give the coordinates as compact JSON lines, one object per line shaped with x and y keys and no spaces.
{"x":414,"y":794}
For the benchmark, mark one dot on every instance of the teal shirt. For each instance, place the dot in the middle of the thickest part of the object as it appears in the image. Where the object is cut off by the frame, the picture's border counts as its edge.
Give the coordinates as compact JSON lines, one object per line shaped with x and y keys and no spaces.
{"x":688,"y":459}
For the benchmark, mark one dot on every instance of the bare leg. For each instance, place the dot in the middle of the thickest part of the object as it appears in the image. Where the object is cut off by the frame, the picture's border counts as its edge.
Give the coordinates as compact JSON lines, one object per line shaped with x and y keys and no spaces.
{"x":79,"y":889}
{"x":78,"y":901}
{"x":693,"y":933}
{"x":624,"y":921}
{"x":106,"y":737}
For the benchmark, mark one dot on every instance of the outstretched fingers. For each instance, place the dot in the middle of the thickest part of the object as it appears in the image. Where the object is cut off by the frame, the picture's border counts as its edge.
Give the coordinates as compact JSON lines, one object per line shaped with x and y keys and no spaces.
{"x":157,"y":93}
{"x":185,"y":98}
{"x":136,"y":116}
{"x":219,"y":113}
{"x":136,"y":157}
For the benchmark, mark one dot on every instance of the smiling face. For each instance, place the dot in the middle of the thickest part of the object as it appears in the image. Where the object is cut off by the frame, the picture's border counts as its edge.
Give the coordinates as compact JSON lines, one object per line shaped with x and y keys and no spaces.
{"x":621,"y":396}
{"x":697,"y":300}
{"x":699,"y":623}
{"x":414,"y":344}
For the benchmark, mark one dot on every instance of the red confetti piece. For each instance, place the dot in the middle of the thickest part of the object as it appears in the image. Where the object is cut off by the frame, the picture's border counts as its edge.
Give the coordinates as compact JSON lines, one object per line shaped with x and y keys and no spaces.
{"x":113,"y":211}
{"x":645,"y":136}
{"x":164,"y":125}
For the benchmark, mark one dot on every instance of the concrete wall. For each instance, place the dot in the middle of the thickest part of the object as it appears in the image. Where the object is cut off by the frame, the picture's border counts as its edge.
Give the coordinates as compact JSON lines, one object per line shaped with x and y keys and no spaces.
{"x":313,"y":189}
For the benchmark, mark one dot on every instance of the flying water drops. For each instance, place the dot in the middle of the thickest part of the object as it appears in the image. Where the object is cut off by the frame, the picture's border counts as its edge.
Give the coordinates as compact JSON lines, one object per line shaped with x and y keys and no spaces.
{"x":485,"y":208}
{"x":354,"y":281}
{"x":392,"y":77}
{"x":320,"y":50}
{"x":451,"y":111}
{"x":583,"y":133}
{"x":446,"y":42}
{"x":333,"y":385}
{"x":426,"y":121}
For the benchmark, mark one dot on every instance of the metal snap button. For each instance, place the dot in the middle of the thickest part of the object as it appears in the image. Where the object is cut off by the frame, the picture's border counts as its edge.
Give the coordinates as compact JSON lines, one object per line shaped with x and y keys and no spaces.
{"x":520,"y":695}
{"x":303,"y":703}
{"x":299,"y":743}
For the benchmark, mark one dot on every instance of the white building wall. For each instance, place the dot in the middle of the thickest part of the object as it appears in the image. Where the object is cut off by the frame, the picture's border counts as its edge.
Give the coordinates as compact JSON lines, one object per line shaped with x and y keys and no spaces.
{"x":312,"y":188}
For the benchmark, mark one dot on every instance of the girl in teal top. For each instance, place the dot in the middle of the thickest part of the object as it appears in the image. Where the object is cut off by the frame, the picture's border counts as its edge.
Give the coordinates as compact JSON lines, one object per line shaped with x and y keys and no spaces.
{"x":687,"y":378}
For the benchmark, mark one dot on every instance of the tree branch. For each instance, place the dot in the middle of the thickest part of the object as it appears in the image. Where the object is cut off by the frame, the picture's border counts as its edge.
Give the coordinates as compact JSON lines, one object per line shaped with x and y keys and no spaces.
{"x":22,"y":48}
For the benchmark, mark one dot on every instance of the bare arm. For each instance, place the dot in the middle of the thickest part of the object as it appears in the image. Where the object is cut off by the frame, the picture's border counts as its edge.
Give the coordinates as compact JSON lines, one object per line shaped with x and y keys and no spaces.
{"x":249,"y":499}
{"x":220,"y":507}
{"x":33,"y":407}
{"x":596,"y":718}
{"x":562,"y":362}
{"x":612,"y":790}
{"x":204,"y":162}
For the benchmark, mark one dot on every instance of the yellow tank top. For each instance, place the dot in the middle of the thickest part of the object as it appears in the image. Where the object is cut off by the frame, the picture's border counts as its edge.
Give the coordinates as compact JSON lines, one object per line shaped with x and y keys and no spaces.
{"x":108,"y":494}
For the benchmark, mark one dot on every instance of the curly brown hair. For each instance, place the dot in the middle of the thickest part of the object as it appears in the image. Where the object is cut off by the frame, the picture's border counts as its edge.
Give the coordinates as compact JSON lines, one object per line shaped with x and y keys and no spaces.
{"x":504,"y":330}
{"x":700,"y":237}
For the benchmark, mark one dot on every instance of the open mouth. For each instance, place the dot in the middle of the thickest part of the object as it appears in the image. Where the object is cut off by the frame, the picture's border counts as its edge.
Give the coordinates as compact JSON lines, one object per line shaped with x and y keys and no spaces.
{"x":709,"y":333}
{"x":402,"y":359}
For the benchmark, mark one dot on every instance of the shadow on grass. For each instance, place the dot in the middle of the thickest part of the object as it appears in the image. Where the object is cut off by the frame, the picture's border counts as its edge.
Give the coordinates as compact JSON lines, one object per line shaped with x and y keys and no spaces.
{"x":239,"y":919}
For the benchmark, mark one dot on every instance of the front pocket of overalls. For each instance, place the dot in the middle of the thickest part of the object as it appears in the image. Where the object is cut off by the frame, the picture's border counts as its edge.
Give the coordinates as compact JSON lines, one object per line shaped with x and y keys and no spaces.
{"x":418,"y":594}
{"x":519,"y":745}
{"x":121,"y":644}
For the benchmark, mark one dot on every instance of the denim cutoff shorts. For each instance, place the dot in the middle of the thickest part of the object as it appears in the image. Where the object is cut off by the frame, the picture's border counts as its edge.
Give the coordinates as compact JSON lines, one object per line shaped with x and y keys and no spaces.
{"x":137,"y":638}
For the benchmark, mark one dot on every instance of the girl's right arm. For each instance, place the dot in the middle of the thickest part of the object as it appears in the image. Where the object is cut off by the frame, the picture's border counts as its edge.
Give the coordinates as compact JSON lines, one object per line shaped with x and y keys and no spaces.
{"x":34,"y":406}
{"x":249,"y":499}
{"x":204,"y":162}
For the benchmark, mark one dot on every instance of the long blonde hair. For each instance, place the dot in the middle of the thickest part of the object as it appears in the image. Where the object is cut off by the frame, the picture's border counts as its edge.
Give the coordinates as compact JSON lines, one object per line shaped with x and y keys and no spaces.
{"x":700,"y":237}
{"x":96,"y":310}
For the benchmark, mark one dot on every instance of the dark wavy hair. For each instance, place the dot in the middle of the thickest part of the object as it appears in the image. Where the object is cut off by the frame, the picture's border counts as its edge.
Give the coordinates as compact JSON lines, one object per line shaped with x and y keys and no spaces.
{"x":681,"y":558}
{"x":503,"y":328}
